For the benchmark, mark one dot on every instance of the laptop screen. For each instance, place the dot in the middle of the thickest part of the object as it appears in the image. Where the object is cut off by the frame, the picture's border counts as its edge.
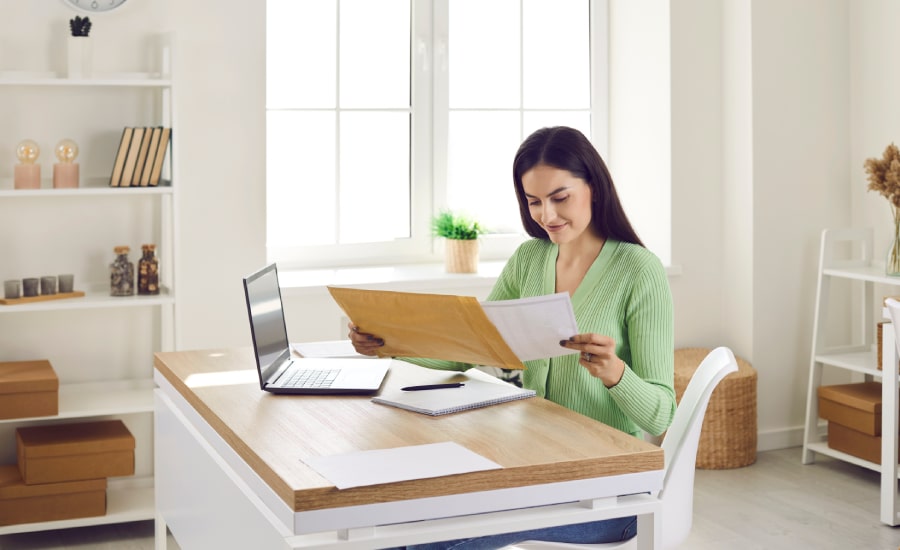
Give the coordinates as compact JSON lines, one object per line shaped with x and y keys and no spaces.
{"x":267,"y":325}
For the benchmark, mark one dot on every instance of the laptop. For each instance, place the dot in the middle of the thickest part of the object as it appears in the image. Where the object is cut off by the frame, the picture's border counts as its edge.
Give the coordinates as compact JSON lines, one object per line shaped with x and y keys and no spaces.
{"x":279,"y":372}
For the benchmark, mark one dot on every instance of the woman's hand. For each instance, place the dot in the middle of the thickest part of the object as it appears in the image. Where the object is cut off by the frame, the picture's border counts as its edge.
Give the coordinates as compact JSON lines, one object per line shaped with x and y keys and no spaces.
{"x":598,"y":356}
{"x":363,"y":343}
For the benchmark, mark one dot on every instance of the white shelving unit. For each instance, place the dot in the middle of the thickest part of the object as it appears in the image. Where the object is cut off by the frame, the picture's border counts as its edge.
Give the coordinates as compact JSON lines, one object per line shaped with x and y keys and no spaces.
{"x":846,"y":254}
{"x":94,"y":383}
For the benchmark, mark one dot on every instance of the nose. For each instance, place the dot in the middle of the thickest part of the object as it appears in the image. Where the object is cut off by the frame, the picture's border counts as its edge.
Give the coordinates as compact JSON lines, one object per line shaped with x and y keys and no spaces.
{"x":548,"y":213}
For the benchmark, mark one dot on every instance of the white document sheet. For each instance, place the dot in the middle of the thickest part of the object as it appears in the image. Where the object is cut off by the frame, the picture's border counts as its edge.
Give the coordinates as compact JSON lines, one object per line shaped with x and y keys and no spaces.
{"x":533,"y":327}
{"x":399,"y":464}
{"x":330,"y":348}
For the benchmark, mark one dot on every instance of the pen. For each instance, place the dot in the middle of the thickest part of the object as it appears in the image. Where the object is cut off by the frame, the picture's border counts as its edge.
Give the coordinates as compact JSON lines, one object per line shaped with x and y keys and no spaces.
{"x":433,"y":386}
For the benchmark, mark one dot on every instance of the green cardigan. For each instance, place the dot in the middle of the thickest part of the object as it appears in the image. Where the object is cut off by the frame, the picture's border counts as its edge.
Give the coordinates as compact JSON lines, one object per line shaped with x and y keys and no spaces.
{"x":625,"y":295}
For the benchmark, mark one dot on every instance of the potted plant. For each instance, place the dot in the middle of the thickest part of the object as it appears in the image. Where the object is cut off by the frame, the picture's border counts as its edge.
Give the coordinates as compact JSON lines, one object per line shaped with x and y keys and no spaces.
{"x":79,"y":47}
{"x":461,"y":240}
{"x":884,"y":177}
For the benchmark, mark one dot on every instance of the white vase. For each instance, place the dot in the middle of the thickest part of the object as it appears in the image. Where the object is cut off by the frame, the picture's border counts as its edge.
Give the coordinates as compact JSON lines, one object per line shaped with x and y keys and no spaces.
{"x":80,"y":54}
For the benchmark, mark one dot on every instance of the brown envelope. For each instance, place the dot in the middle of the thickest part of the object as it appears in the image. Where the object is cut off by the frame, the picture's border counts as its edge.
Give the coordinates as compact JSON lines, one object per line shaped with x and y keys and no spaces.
{"x":434,"y":326}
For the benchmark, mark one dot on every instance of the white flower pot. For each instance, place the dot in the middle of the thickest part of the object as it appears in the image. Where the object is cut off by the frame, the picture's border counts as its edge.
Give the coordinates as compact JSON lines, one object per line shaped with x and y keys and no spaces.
{"x":80,"y":55}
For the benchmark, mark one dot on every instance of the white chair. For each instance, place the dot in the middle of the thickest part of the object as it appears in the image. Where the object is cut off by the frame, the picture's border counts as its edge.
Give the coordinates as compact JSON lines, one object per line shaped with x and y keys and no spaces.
{"x":680,"y":446}
{"x":893,"y":307}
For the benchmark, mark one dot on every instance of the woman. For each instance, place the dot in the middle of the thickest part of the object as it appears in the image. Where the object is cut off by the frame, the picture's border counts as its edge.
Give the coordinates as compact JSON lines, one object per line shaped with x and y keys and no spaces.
{"x":584,"y":244}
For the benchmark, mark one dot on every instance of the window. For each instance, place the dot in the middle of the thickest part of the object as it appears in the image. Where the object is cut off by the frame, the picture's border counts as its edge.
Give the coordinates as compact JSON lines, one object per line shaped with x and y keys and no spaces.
{"x":381,"y":113}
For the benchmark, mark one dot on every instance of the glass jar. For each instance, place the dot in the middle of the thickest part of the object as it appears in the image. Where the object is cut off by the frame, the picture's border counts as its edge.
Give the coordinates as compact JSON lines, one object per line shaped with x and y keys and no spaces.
{"x":121,"y":273}
{"x":148,"y":271}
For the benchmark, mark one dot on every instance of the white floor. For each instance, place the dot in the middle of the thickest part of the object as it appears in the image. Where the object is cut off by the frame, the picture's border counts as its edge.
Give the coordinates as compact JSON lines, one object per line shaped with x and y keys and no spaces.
{"x":775,"y":504}
{"x":780,"y":504}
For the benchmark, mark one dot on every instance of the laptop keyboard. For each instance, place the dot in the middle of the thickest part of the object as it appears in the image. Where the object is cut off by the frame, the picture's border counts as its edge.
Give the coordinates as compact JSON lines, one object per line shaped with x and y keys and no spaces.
{"x":311,"y":378}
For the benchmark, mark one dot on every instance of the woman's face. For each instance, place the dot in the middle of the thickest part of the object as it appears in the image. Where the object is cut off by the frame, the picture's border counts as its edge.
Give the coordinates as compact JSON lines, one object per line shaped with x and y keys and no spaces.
{"x":559,"y":202}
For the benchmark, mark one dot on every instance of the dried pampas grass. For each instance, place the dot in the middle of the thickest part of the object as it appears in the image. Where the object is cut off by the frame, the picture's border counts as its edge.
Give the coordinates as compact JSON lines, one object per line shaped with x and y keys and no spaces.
{"x":884,"y":175}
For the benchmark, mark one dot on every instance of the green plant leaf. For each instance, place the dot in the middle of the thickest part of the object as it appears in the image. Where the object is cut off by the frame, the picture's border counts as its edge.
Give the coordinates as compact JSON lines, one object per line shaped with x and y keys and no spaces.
{"x":455,"y":226}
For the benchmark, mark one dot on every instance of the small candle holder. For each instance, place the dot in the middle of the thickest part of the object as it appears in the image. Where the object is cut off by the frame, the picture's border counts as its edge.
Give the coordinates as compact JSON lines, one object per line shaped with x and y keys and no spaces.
{"x":66,"y":283}
{"x":48,"y":285}
{"x":31,"y":287}
{"x":11,"y":289}
{"x":65,"y":172}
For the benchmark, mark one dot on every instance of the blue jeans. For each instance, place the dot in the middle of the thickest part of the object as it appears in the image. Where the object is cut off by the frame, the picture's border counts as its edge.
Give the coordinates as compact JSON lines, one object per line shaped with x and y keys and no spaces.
{"x":608,"y":530}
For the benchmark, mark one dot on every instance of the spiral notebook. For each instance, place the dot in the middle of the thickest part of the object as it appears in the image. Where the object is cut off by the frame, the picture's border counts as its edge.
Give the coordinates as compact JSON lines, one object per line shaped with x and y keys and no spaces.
{"x":480,"y":390}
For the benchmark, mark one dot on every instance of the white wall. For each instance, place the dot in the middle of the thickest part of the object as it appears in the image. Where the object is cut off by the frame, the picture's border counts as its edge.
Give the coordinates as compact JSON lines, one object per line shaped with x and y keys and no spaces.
{"x":640,"y":116}
{"x":759,"y":164}
{"x":221,"y":132}
{"x":736,"y":183}
{"x":769,"y":108}
{"x":874,"y":109}
{"x":697,"y":165}
{"x":801,"y":140}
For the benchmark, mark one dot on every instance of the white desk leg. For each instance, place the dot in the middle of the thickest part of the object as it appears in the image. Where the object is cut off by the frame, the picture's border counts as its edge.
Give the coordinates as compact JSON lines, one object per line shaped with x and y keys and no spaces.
{"x":649,"y":532}
{"x":160,"y":535}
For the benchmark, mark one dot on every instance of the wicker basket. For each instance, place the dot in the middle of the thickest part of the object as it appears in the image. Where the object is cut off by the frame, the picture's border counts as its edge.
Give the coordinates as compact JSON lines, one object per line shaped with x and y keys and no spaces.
{"x":728,"y":436}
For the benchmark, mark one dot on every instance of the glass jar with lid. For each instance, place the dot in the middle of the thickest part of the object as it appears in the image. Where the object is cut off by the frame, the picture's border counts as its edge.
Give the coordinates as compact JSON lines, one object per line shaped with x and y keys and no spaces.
{"x":148,"y":271}
{"x":121,"y":273}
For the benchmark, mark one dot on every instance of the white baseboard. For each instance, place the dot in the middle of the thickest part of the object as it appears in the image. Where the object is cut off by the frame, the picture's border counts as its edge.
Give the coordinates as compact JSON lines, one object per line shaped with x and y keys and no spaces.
{"x":770,"y":440}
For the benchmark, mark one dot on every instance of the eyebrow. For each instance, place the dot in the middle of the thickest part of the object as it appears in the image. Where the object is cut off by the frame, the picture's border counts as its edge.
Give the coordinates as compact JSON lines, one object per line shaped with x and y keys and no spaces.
{"x":551,"y":193}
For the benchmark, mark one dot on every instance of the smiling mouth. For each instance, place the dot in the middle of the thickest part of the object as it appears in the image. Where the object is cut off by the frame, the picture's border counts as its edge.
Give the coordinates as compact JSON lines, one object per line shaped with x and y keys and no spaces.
{"x":554,"y":228}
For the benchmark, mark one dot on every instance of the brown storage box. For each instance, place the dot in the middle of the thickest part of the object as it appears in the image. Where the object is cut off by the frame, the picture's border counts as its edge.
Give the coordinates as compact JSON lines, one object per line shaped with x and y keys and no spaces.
{"x":856,"y":406}
{"x":28,"y":388}
{"x":71,"y":452}
{"x":21,"y":503}
{"x":852,"y":442}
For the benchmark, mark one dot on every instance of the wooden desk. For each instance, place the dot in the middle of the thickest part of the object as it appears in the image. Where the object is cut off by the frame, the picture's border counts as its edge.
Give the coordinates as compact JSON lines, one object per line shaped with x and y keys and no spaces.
{"x":230,"y":469}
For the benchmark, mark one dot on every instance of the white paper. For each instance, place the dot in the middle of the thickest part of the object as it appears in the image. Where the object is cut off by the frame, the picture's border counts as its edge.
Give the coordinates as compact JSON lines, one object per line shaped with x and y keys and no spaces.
{"x":331,"y":348}
{"x":378,"y":466}
{"x":533,"y":327}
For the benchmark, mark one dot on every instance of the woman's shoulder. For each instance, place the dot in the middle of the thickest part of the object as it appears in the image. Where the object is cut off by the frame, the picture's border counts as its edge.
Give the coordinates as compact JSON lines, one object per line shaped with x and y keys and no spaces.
{"x":532,"y":248}
{"x":637,"y":256}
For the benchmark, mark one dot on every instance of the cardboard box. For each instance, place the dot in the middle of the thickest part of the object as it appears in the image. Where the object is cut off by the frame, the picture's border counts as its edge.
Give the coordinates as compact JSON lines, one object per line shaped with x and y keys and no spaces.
{"x":856,"y":406}
{"x":852,"y":442}
{"x":28,"y":388}
{"x":72,"y":452}
{"x":21,"y":503}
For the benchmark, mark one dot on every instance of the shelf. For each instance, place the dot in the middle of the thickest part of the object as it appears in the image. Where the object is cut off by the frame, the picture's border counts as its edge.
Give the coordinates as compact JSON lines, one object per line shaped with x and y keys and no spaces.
{"x":99,"y":399}
{"x":124,"y":80}
{"x":97,"y":297}
{"x":97,"y":108}
{"x":127,"y":500}
{"x":824,"y":449}
{"x":861,"y":357}
{"x":105,"y":398}
{"x":854,"y":359}
{"x":870,"y":274}
{"x":91,"y":187}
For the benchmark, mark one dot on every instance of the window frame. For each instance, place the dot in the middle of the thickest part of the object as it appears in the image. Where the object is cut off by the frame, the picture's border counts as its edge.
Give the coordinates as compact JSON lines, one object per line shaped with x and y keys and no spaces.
{"x":429,"y":120}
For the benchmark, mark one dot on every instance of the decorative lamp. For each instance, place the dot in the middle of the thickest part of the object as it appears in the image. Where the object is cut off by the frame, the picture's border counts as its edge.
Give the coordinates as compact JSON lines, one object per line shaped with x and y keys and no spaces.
{"x":65,"y":172}
{"x":27,"y":173}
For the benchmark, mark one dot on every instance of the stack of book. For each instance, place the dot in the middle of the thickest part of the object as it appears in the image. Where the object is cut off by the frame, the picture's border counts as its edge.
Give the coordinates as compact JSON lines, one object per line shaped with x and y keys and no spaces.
{"x":139,"y":160}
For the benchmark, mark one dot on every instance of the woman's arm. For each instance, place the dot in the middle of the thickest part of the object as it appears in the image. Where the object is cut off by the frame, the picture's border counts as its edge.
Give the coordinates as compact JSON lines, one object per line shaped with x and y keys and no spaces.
{"x":646,"y":392}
